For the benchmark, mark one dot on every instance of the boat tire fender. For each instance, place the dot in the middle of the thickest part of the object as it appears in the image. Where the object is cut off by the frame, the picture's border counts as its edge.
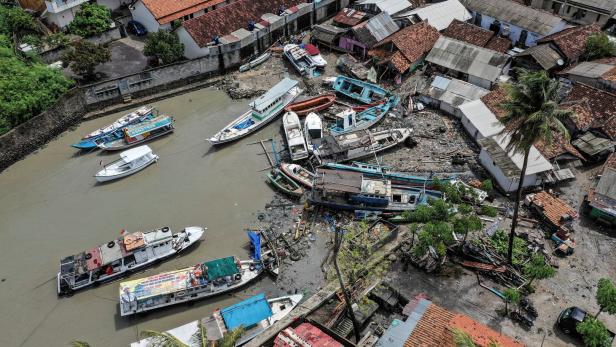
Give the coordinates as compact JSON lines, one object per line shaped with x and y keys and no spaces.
{"x":88,"y":256}
{"x":252,"y":267}
{"x":110,"y":244}
{"x":238,"y":277}
{"x":164,"y":229}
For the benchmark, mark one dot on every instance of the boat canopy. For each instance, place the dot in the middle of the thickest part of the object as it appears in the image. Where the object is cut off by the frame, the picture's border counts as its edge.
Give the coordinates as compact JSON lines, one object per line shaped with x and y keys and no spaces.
{"x":160,"y":284}
{"x":138,"y":129}
{"x":247,"y":313}
{"x":221,"y":267}
{"x":135,"y":153}
{"x":255,"y":240}
{"x":274,"y":93}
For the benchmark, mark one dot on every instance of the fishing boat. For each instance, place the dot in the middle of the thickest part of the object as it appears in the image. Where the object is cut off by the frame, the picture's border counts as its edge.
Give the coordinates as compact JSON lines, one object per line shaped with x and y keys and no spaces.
{"x":361,"y":91}
{"x":263,"y":110}
{"x":295,"y":137}
{"x":349,"y":120}
{"x":284,"y":183}
{"x":206,"y":279}
{"x":113,"y":131}
{"x":255,"y":62}
{"x":140,"y":133}
{"x":316,"y":56}
{"x":300,"y":59}
{"x":255,"y":314}
{"x":347,"y":64}
{"x":298,"y":173}
{"x":130,"y":162}
{"x":349,"y":190}
{"x":313,"y":129}
{"x":386,"y":173}
{"x":129,"y":253}
{"x":358,"y":144}
{"x":315,"y":104}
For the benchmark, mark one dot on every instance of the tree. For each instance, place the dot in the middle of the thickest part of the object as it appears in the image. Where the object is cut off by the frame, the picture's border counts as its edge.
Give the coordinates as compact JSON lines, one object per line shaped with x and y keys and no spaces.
{"x":90,"y":20}
{"x":345,"y":292}
{"x":84,"y":56}
{"x":164,"y":339}
{"x":164,"y":45}
{"x":599,"y":46}
{"x":15,"y":22}
{"x":606,"y":296}
{"x":487,"y":186}
{"x":532,"y":114}
{"x":594,"y":333}
{"x":512,"y":296}
{"x":537,"y":268}
{"x":466,"y":222}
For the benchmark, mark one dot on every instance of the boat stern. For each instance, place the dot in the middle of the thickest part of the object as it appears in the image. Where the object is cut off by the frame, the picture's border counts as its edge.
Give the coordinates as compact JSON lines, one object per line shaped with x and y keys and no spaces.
{"x":193,"y":234}
{"x":85,"y":144}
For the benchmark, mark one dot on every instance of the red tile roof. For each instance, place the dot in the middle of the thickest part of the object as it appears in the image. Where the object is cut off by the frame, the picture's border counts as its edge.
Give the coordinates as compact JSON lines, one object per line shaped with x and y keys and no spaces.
{"x":305,"y":334}
{"x":552,"y":208}
{"x":349,"y":17}
{"x":596,"y":109}
{"x":468,"y":33}
{"x":610,"y":162}
{"x":232,"y":17}
{"x":481,"y":334}
{"x":572,"y":41}
{"x":166,"y":11}
{"x":494,"y":99}
{"x":410,"y":44}
{"x":499,"y":44}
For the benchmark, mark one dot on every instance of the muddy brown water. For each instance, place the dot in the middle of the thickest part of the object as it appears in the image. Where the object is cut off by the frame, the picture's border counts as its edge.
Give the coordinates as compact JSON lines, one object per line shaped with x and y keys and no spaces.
{"x":51,"y":207}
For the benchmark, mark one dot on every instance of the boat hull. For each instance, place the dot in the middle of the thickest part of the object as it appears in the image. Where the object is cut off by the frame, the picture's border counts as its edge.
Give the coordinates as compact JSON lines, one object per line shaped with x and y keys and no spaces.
{"x":256,"y":62}
{"x":102,"y":177}
{"x":316,"y":104}
{"x":293,"y":171}
{"x":121,"y":144}
{"x":280,"y":181}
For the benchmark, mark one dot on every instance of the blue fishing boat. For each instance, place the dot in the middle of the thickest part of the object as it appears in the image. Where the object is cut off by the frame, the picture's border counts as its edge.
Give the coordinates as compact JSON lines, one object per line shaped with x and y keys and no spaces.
{"x":114,"y":131}
{"x":361,"y":91}
{"x":370,"y":170}
{"x":140,"y":133}
{"x":349,"y":120}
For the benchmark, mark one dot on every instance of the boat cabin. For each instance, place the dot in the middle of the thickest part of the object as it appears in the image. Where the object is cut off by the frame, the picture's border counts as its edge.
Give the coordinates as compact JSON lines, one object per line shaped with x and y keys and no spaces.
{"x":273,"y":101}
{"x":142,"y":131}
{"x":345,"y":120}
{"x":359,"y":90}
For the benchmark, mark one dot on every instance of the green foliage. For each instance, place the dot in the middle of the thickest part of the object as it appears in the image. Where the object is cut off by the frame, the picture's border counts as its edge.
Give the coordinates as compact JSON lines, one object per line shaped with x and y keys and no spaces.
{"x":489,"y":211}
{"x":77,"y":343}
{"x":14,"y":21}
{"x":606,"y":296}
{"x":435,"y":234}
{"x":440,"y":209}
{"x":56,"y":40}
{"x":26,"y":89}
{"x":599,"y":46}
{"x":436,"y":210}
{"x":594,"y":333}
{"x":500,"y":242}
{"x":354,"y":252}
{"x":487,"y":186}
{"x":538,"y":269}
{"x":512,"y":295}
{"x":162,"y":339}
{"x":164,"y":45}
{"x":466,"y":223}
{"x":231,"y":337}
{"x":465,"y":209}
{"x":84,"y":56}
{"x":90,"y":20}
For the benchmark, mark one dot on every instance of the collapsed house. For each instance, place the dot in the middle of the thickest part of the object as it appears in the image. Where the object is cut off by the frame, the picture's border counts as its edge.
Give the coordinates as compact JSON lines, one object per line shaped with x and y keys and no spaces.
{"x":477,"y":36}
{"x":448,"y":94}
{"x":439,"y":15}
{"x":601,"y":200}
{"x":367,"y":34}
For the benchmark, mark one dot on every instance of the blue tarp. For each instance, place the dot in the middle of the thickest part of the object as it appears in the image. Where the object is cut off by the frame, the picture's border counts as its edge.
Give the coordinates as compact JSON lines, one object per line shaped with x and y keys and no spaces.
{"x":255,"y":240}
{"x":247,"y":313}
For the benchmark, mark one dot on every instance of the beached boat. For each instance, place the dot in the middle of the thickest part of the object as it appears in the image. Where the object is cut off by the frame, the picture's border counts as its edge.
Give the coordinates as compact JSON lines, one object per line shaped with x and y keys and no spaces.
{"x":263,"y":110}
{"x":349,"y":120}
{"x":197,"y":282}
{"x":313,"y":129}
{"x":385,"y":172}
{"x":315,"y":54}
{"x":300,"y":59}
{"x":130,"y":162}
{"x":359,"y":144}
{"x":114,"y":131}
{"x":130,"y":253}
{"x":255,"y":314}
{"x":361,"y":91}
{"x":140,"y":133}
{"x":295,"y":137}
{"x":255,"y":62}
{"x":349,"y":190}
{"x":315,"y":104}
{"x":284,"y":183}
{"x":298,"y":173}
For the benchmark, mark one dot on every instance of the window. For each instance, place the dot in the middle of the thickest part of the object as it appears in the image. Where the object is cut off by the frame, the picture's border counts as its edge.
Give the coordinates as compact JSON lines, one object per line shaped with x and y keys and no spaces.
{"x":188,"y":16}
{"x":477,"y":19}
{"x":568,"y":9}
{"x":598,"y":17}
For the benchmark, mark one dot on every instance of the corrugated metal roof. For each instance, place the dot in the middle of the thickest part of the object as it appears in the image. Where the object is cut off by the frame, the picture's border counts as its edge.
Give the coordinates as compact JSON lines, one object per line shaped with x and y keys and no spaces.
{"x":389,"y":6}
{"x":544,"y":55}
{"x":467,"y":58}
{"x":510,"y":163}
{"x":279,"y":89}
{"x":375,"y":29}
{"x":590,"y":69}
{"x":607,"y":5}
{"x":454,"y":91}
{"x":480,"y":116}
{"x":441,"y":14}
{"x":533,"y":20}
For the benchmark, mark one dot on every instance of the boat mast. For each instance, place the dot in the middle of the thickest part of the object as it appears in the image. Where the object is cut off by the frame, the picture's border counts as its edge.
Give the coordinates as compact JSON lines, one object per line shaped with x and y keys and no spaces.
{"x":375,"y":156}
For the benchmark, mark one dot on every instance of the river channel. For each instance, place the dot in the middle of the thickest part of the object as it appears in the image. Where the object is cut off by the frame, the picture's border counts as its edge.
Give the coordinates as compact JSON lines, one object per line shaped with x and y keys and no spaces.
{"x":50,"y":207}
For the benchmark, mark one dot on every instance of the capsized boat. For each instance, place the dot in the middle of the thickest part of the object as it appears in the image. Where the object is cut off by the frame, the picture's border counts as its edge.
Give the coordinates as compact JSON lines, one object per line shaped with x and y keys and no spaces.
{"x":316,"y":56}
{"x":359,"y":144}
{"x":140,"y":133}
{"x":256,"y":314}
{"x":349,"y":190}
{"x":131,"y":161}
{"x":295,"y":137}
{"x":298,"y":173}
{"x":377,"y":171}
{"x":300,"y":59}
{"x":255,"y":62}
{"x":263,"y":110}
{"x":313,"y":129}
{"x":349,"y":120}
{"x":284,"y":183}
{"x":315,"y":104}
{"x":361,"y":91}
{"x":129,"y":253}
{"x":197,"y":282}
{"x":113,"y":131}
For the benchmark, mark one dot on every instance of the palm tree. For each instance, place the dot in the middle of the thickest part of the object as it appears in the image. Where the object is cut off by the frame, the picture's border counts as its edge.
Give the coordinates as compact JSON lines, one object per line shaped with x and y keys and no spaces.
{"x":163,"y":339}
{"x":462,"y":339}
{"x":532,"y":114}
{"x":77,"y":343}
{"x":345,"y":292}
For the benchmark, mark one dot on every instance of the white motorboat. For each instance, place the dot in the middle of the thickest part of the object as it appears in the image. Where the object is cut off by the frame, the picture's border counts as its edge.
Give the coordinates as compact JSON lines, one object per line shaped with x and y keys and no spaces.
{"x":300,"y":59}
{"x":298,"y":173}
{"x":313,"y":129}
{"x":130,"y":161}
{"x":295,"y":138}
{"x":316,"y":56}
{"x":262,"y":111}
{"x":255,"y":62}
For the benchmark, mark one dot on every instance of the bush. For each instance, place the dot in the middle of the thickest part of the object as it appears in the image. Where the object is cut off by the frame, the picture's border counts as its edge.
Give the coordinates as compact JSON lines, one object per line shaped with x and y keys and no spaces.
{"x":599,"y":46}
{"x":500,"y":242}
{"x":165,"y":46}
{"x":84,"y":56}
{"x":90,"y":20}
{"x":489,"y":211}
{"x":594,"y":333}
{"x":487,"y":186}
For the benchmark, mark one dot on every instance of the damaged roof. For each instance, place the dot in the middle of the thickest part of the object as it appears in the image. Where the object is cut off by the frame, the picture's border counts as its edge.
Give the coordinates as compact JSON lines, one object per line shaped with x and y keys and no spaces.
{"x":510,"y":162}
{"x":525,"y":17}
{"x":592,"y":144}
{"x":439,"y":15}
{"x":165,"y":11}
{"x":545,"y":55}
{"x":477,"y":36}
{"x":466,"y":58}
{"x":454,"y":92}
{"x":338,"y":180}
{"x":572,"y":41}
{"x":234,"y":16}
{"x":375,"y":29}
{"x":598,"y":109}
{"x":349,"y":17}
{"x":552,"y":208}
{"x":389,"y":6}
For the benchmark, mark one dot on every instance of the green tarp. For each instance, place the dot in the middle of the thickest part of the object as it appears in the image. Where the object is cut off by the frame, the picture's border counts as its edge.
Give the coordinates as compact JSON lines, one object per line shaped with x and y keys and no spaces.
{"x":221,"y":267}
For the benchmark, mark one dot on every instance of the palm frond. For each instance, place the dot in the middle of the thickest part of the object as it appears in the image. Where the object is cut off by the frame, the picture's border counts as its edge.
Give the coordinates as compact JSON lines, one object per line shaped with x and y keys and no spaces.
{"x":462,"y":339}
{"x":77,"y":343}
{"x":162,"y":339}
{"x":231,"y":337}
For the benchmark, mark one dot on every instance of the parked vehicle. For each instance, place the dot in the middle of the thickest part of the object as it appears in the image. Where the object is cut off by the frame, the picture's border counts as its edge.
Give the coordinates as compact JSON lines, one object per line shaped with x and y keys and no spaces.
{"x":136,"y":28}
{"x":130,"y":162}
{"x":294,"y":136}
{"x":569,"y":319}
{"x":129,"y":253}
{"x":315,"y":104}
{"x":140,"y":133}
{"x":263,"y":110}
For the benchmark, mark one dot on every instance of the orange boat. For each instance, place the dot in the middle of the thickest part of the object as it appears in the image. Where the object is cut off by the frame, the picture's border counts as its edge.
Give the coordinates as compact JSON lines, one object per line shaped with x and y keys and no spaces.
{"x":316,"y":104}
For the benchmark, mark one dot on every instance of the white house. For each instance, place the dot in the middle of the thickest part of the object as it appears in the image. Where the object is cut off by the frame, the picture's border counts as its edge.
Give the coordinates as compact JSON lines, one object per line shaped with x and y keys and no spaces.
{"x":479,"y":121}
{"x":438,"y":15}
{"x":159,"y":14}
{"x":61,"y":12}
{"x":523,"y":25}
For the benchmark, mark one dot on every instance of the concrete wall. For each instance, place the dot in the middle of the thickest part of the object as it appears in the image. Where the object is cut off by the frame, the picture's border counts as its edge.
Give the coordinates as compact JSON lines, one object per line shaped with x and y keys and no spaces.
{"x":113,"y":4}
{"x":62,"y":19}
{"x":478,"y":81}
{"x":506,"y":184}
{"x":106,"y":37}
{"x":569,"y":10}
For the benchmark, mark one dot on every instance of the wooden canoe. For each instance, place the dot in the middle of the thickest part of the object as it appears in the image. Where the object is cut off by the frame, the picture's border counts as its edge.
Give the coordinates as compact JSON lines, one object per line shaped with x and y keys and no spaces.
{"x":316,"y":104}
{"x":365,"y":107}
{"x":284,"y":183}
{"x":298,"y":173}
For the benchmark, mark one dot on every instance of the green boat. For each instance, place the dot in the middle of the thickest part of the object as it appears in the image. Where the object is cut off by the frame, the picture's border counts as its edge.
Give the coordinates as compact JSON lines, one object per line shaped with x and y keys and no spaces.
{"x":284,"y":183}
